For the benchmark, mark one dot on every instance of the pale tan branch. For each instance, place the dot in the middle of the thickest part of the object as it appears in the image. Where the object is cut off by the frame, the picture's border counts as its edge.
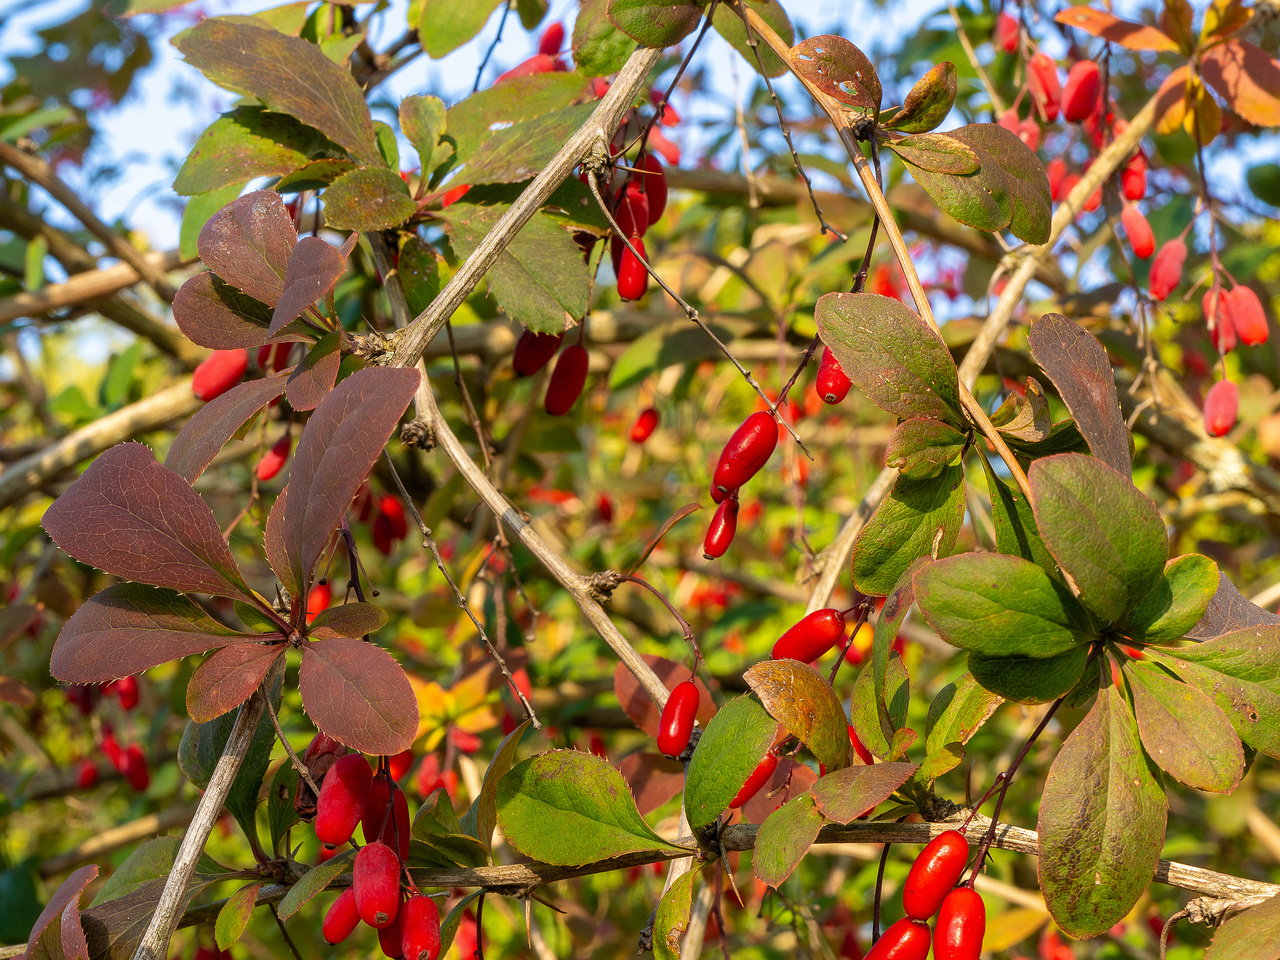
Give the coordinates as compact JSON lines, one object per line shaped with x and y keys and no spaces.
{"x":82,"y":287}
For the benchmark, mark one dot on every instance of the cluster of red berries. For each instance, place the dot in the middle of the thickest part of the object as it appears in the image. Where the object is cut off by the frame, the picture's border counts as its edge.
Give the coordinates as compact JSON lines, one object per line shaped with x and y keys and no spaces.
{"x":638,"y":204}
{"x":962,"y":916}
{"x":534,"y":350}
{"x":386,"y":517}
{"x":749,"y":449}
{"x":129,"y":761}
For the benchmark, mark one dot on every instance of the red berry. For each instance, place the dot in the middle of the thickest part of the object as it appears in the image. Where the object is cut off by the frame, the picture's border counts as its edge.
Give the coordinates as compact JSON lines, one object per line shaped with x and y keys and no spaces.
{"x":343,"y":797}
{"x":934,"y":873}
{"x":552,"y":39}
{"x":318,"y":599}
{"x":669,"y":150}
{"x":1080,"y":95}
{"x":907,"y":939}
{"x":376,"y":879}
{"x":567,"y":380}
{"x":266,"y":361}
{"x":1056,"y":170}
{"x":633,"y":278}
{"x":1166,"y":269}
{"x":633,"y":210}
{"x":1068,"y":184}
{"x":668,"y":117}
{"x":538,"y":63}
{"x":391,"y":937}
{"x":87,"y":775}
{"x":759,"y":777}
{"x":859,"y":748}
{"x":274,"y":459}
{"x":604,"y":508}
{"x":113,"y":750}
{"x":962,"y":921}
{"x":1220,"y":407}
{"x":421,"y":926}
{"x":135,"y":768}
{"x":1247,"y":315}
{"x":1217,"y":316}
{"x":400,"y":764}
{"x":1009,"y":120}
{"x":676,"y":723}
{"x":748,"y":450}
{"x":386,"y":817}
{"x":533,"y":350}
{"x":341,"y":918}
{"x":833,"y":385}
{"x":219,"y":372}
{"x":1136,"y":228}
{"x":1094,"y":201}
{"x":644,"y":426}
{"x":1133,"y":180}
{"x":721,"y":529}
{"x":391,"y":508}
{"x":382,"y":538}
{"x":1029,"y":133}
{"x":813,"y":636}
{"x":126,"y":688}
{"x":1006,"y":33}
{"x":655,"y":186}
{"x":1042,"y":75}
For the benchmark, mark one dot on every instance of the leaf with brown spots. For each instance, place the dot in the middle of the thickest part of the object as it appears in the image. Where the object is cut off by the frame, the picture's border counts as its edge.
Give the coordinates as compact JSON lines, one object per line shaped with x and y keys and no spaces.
{"x":802,"y":700}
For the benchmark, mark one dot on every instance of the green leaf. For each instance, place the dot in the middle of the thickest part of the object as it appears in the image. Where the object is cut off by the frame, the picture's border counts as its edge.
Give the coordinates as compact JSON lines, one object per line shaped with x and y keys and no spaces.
{"x":487,"y":802}
{"x":876,"y":727}
{"x":368,"y":198}
{"x":234,"y":915}
{"x":919,"y":518}
{"x":956,"y":713}
{"x":897,"y":359}
{"x":1184,"y":731}
{"x":936,"y":152}
{"x":655,"y":23}
{"x":1000,"y":606}
{"x":423,"y":121}
{"x":732,"y":746}
{"x":445,"y":25}
{"x":449,"y":926}
{"x":1015,"y":523}
{"x":520,"y":151}
{"x":980,"y":200}
{"x":671,"y":919}
{"x":436,"y":816}
{"x":532,"y":12}
{"x":599,"y":48}
{"x":249,"y":142}
{"x":197,"y":213}
{"x":314,"y":176}
{"x":1251,"y":935}
{"x":419,"y":272}
{"x":476,"y":118}
{"x":784,"y":838}
{"x":1102,"y":821}
{"x":730,"y":26}
{"x":288,"y":74}
{"x":1030,"y":679}
{"x":929,"y":101}
{"x":801,"y":699}
{"x":281,"y":814}
{"x":897,"y":604}
{"x":1177,"y":601}
{"x":571,"y":808}
{"x":920,"y":447}
{"x":1024,"y":175}
{"x":1107,"y":537}
{"x":847,"y":794}
{"x":153,"y":860}
{"x":313,"y":883}
{"x":538,"y":278}
{"x":1264,"y":181}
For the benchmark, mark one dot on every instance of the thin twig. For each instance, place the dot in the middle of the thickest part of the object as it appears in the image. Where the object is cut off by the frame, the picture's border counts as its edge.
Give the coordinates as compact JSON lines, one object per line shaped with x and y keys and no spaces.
{"x":293,"y":757}
{"x":285,"y":934}
{"x":997,"y":102}
{"x":506,"y":12}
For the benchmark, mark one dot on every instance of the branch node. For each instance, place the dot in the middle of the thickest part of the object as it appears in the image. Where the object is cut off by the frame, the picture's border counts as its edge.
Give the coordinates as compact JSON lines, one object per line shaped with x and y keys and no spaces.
{"x":601,"y":585}
{"x":376,"y":347}
{"x":419,"y":433}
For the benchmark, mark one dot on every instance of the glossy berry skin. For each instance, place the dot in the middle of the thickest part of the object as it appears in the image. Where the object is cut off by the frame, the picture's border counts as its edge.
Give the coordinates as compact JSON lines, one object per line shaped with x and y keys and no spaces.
{"x":318,"y":599}
{"x":391,"y":508}
{"x":87,"y":775}
{"x":832,"y":383}
{"x":1247,"y":315}
{"x":633,"y":278}
{"x":934,"y":873}
{"x":567,"y":380}
{"x":859,"y":748}
{"x":1141,"y":240}
{"x":633,"y":210}
{"x":1217,"y":316}
{"x":907,"y":939}
{"x":1042,"y":74}
{"x":343,"y":797}
{"x":538,"y":63}
{"x":811,"y":637}
{"x":386,"y":817}
{"x":721,"y":529}
{"x":552,"y":39}
{"x":1133,"y":180}
{"x":1006,"y":33}
{"x":1166,"y":269}
{"x":655,"y":186}
{"x":126,"y":688}
{"x":1220,"y":406}
{"x":341,"y":918}
{"x":962,"y":921}
{"x":533,"y":350}
{"x":749,"y":449}
{"x":759,"y":777}
{"x":376,"y":880}
{"x":644,"y":426}
{"x":420,"y":924}
{"x":219,"y":372}
{"x":1080,"y":95}
{"x":274,"y":459}
{"x":676,"y":722}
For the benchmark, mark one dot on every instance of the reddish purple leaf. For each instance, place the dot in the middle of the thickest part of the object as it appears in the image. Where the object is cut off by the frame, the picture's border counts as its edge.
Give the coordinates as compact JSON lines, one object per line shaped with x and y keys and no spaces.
{"x":347,"y":620}
{"x":313,"y":270}
{"x":216,"y":422}
{"x":341,"y":441}
{"x":227,"y":678}
{"x":273,"y":541}
{"x":248,"y":244}
{"x":314,"y":377}
{"x":74,"y":944}
{"x":138,"y":520}
{"x":217,"y":315}
{"x":11,"y":691}
{"x":54,"y":931}
{"x":1229,"y":610}
{"x":653,"y":779}
{"x":643,"y":711}
{"x":356,"y":693}
{"x":131,"y":627}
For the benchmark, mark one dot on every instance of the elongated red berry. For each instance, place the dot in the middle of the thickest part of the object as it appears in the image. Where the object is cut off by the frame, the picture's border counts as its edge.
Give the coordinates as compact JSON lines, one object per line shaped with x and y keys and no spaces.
{"x":552,"y":39}
{"x":633,"y":210}
{"x":420,"y":924}
{"x":1247,"y":315}
{"x":391,"y":507}
{"x":676,"y":722}
{"x":87,"y":775}
{"x":1042,"y":75}
{"x":533,"y":350}
{"x":1080,"y":95}
{"x":376,"y":879}
{"x":386,"y":817}
{"x":721,"y":529}
{"x":1220,"y":406}
{"x":813,"y":636}
{"x":748,"y":450}
{"x":343,"y":797}
{"x":135,"y":768}
{"x":759,"y":777}
{"x":1056,"y":170}
{"x":114,"y":752}
{"x":907,"y":939}
{"x":274,"y":459}
{"x":1141,"y":240}
{"x":833,"y":386}
{"x":962,"y":921}
{"x":1166,"y":269}
{"x":1133,"y":179}
{"x":318,"y":599}
{"x":567,"y":380}
{"x":538,"y":63}
{"x":859,"y":748}
{"x":1006,"y":33}
{"x":655,"y":186}
{"x":1217,"y":317}
{"x":934,"y":873}
{"x":644,"y":426}
{"x":391,"y":937}
{"x":341,"y":918}
{"x":219,"y":372}
{"x":633,"y":278}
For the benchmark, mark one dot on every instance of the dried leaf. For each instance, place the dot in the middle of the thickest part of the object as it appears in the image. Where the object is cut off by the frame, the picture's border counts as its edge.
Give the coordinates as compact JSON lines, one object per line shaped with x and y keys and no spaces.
{"x":357,"y":694}
{"x":802,"y":700}
{"x":838,"y":69}
{"x":1134,"y":36}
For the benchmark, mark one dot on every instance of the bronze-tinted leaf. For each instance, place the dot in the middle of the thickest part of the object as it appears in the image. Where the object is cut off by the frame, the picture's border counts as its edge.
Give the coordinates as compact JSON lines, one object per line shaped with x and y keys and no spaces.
{"x":217,"y":315}
{"x":845,"y":795}
{"x":368,"y":198}
{"x":1025,"y":418}
{"x":315,"y":376}
{"x":201,"y":437}
{"x":227,"y":678}
{"x":248,"y":244}
{"x":1229,"y":610}
{"x":1176,"y":22}
{"x":49,"y":936}
{"x":935,"y":152}
{"x":1246,"y":77}
{"x":314,"y":268}
{"x":839,"y":69}
{"x":357,"y":694}
{"x":11,"y":691}
{"x":1172,"y":102}
{"x":138,"y":520}
{"x":929,"y":101}
{"x":347,"y":620}
{"x":802,"y":700}
{"x":1134,"y":36}
{"x":654,"y":779}
{"x":643,"y":711}
{"x":790,"y":778}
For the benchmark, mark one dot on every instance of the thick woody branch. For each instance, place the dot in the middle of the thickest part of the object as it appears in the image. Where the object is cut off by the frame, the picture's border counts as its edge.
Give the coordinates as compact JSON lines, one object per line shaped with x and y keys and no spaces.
{"x":83,"y":287}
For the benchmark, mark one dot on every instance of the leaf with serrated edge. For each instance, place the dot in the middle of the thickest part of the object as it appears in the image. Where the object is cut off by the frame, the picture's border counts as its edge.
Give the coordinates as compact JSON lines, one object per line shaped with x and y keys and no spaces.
{"x":357,"y":694}
{"x":1030,"y":680}
{"x":732,"y":746}
{"x":487,"y":802}
{"x":313,"y":882}
{"x":671,"y":919}
{"x":1253,"y":934}
{"x":936,"y":152}
{"x":347,"y":620}
{"x":957,"y":712}
{"x":1183,"y":731}
{"x":313,"y":269}
{"x":1108,"y":538}
{"x":214,"y":424}
{"x":368,"y":198}
{"x":655,"y":23}
{"x":801,"y":699}
{"x":1176,"y":603}
{"x":585,"y":798}
{"x":1134,"y":36}
{"x":920,"y":447}
{"x":784,"y":838}
{"x":1102,"y":821}
{"x":845,"y":795}
{"x":839,"y":69}
{"x":227,"y":678}
{"x":234,"y":915}
{"x":929,"y":100}
{"x":65,"y":897}
{"x":248,"y":244}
